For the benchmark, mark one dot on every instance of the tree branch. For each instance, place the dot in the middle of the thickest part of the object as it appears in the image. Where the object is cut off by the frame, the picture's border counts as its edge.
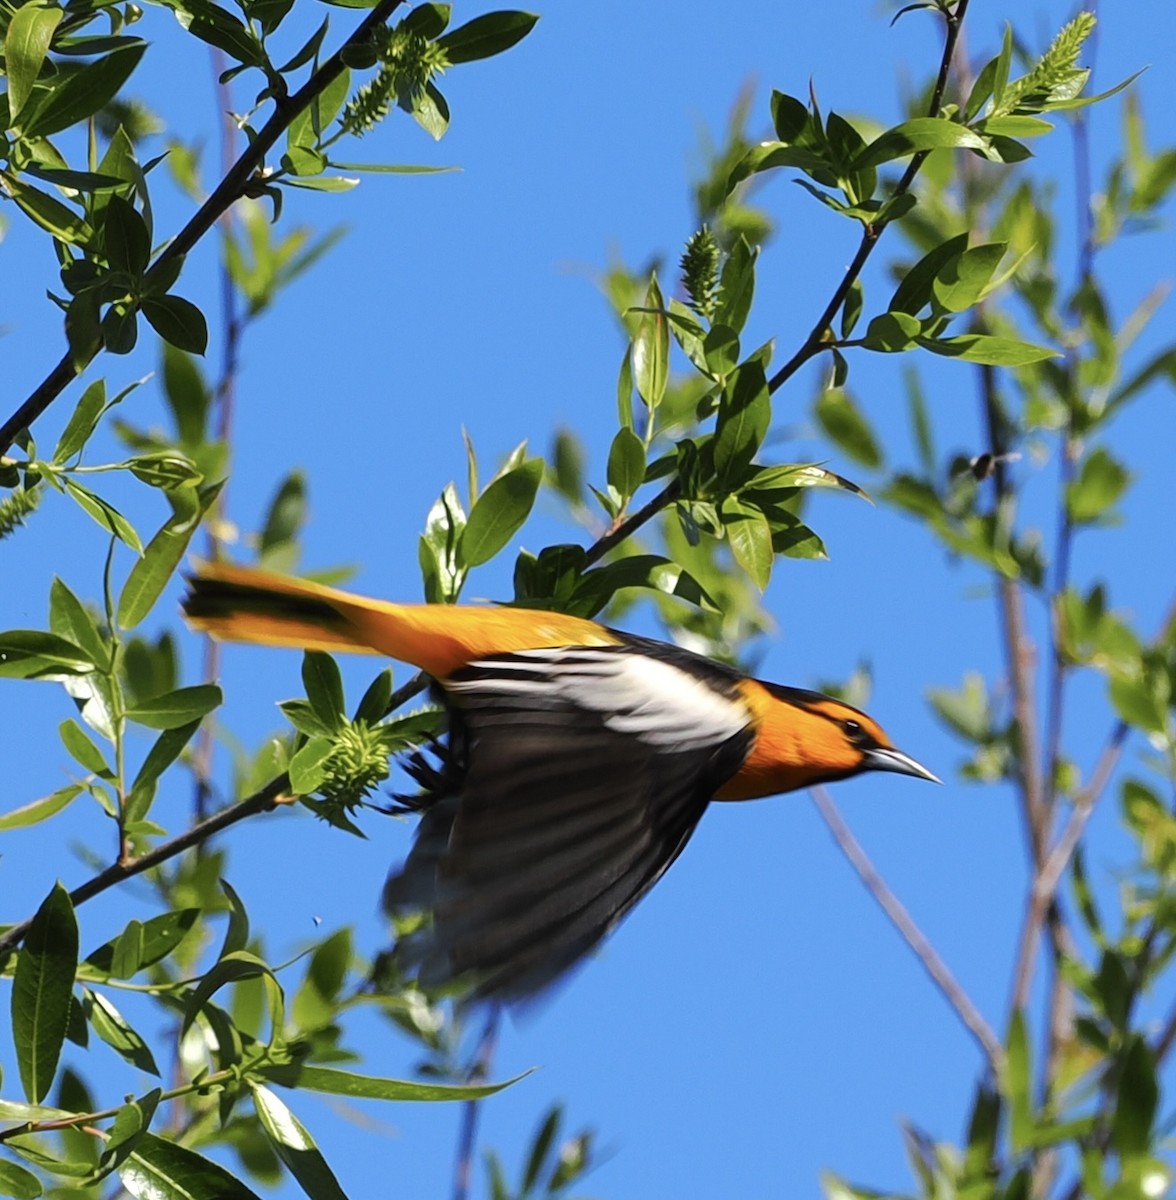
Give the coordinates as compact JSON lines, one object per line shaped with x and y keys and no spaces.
{"x":914,"y":937}
{"x":231,"y":188}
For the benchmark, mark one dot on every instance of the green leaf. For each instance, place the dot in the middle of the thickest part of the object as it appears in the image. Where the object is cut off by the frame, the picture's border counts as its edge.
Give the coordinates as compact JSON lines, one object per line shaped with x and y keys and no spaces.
{"x":1136,"y":1102}
{"x":162,"y":1169}
{"x":166,"y":749}
{"x":106,"y":515}
{"x":626,"y":463}
{"x":315,"y":1003}
{"x":745,"y":412}
{"x":30,"y":32}
{"x":16,"y":1181}
{"x":56,"y":218}
{"x":892,"y":332}
{"x":964,"y":279}
{"x":28,"y":653}
{"x":82,"y":422}
{"x":178,"y":321}
{"x":42,"y":988}
{"x":915,"y":289}
{"x":737,"y":286}
{"x":324,"y":688}
{"x":154,"y":940}
{"x":177,"y":708}
{"x":112,"y":1027}
{"x":750,"y":537}
{"x":150,"y":573}
{"x":371,"y":1087}
{"x":1101,"y":482}
{"x":721,"y":350}
{"x":165,"y":469}
{"x":40,"y":810}
{"x":500,"y":512}
{"x":83,"y":750}
{"x":80,"y":95}
{"x":306,"y":767}
{"x":1017,"y":1081}
{"x":913,"y":136}
{"x":845,"y":426}
{"x":130,"y":1124}
{"x":541,"y":1147}
{"x":373,"y":706}
{"x":70,"y":619}
{"x":651,"y":348}
{"x":597,"y":587}
{"x":295,"y":1147}
{"x":126,"y":240}
{"x":232,"y":967}
{"x":485,"y":36}
{"x":987,"y":349}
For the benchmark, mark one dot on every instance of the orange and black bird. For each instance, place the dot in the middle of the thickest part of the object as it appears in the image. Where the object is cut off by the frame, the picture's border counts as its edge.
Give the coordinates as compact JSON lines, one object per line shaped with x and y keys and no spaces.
{"x":579,"y":760}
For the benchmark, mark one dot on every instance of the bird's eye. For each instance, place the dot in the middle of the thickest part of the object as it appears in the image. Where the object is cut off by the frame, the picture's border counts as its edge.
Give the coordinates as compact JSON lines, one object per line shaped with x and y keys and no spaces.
{"x":856,"y":734}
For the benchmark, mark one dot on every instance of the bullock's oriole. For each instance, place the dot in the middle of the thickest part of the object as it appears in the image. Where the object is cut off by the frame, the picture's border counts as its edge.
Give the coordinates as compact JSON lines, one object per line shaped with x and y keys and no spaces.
{"x":579,"y":761}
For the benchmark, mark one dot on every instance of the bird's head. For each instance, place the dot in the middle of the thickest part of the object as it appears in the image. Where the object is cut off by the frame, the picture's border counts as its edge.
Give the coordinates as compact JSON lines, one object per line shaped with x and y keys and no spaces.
{"x":805,"y":737}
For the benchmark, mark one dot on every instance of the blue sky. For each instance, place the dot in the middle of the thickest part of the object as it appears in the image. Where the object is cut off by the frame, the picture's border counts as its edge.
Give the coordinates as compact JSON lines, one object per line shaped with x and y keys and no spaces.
{"x":757,"y":1020}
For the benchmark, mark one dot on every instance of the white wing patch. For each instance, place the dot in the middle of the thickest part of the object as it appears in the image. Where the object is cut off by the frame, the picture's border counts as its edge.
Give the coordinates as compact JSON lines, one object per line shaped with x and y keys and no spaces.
{"x":640,"y":696}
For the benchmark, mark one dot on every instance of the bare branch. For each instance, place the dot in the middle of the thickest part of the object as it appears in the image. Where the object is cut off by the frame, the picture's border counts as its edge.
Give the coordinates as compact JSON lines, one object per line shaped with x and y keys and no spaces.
{"x":914,"y":937}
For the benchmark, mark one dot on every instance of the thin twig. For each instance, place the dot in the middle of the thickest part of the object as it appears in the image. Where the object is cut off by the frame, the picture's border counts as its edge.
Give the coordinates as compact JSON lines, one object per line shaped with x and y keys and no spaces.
{"x":237,"y":182}
{"x":914,"y":937}
{"x":265,"y":800}
{"x":463,"y":1162}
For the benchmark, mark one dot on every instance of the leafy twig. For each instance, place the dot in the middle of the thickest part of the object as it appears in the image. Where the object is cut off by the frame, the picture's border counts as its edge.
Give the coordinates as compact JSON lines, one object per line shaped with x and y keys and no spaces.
{"x":236,"y":183}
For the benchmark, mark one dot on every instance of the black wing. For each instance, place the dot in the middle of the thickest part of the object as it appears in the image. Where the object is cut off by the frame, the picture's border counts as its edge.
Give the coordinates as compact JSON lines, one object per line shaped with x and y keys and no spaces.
{"x":580,"y":776}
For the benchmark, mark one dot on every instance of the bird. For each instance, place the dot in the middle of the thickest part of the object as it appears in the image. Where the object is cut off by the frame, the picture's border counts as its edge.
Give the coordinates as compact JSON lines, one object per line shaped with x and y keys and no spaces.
{"x":578,"y":762}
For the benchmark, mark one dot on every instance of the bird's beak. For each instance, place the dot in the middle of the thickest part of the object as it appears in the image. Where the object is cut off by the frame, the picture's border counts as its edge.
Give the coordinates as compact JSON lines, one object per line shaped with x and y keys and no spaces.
{"x":901,"y":764}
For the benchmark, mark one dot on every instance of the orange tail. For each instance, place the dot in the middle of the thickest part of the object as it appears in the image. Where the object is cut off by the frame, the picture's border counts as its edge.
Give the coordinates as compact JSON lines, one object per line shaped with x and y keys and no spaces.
{"x":243,"y":604}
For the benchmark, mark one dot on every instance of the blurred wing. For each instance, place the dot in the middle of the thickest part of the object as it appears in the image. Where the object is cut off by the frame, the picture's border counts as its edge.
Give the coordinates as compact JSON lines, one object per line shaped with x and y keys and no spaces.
{"x":585,"y":773}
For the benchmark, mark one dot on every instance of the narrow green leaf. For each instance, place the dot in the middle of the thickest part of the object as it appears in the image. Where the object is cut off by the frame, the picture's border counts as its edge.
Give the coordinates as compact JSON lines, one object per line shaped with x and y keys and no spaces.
{"x":126,"y":240}
{"x":1136,"y":1102}
{"x":485,"y":36}
{"x":27,"y":653}
{"x":40,"y":810}
{"x":156,"y":939}
{"x":914,"y":136}
{"x":42,"y":988}
{"x":165,"y":750}
{"x":30,"y":32}
{"x":16,"y":1181}
{"x":82,"y":422}
{"x":963,"y":280}
{"x":1101,"y":482}
{"x":541,"y":1147}
{"x":174,"y":709}
{"x":70,"y":619}
{"x":737,"y":286}
{"x":915,"y":288}
{"x":345,"y":1083}
{"x":178,"y":321}
{"x":149,"y":574}
{"x":231,"y":968}
{"x":500,"y":512}
{"x":626,"y":463}
{"x":324,"y":688}
{"x":130,"y":1124}
{"x":745,"y":412}
{"x":106,"y":515}
{"x":162,"y":1169}
{"x":1017,"y":1082}
{"x":750,"y":537}
{"x":89,"y":756}
{"x":373,"y":706}
{"x":844,"y":425}
{"x":651,"y":348}
{"x":306,"y":767}
{"x":83,"y":93}
{"x":56,"y":218}
{"x":295,"y":1147}
{"x":987,"y":349}
{"x":112,"y":1027}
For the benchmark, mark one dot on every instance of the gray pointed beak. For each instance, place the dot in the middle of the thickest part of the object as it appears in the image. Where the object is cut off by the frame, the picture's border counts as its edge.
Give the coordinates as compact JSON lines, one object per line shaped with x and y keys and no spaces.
{"x":896,"y":761}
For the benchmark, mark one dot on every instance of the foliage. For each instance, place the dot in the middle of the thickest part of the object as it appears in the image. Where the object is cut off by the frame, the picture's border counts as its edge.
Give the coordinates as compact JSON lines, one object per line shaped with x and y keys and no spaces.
{"x":690,"y":467}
